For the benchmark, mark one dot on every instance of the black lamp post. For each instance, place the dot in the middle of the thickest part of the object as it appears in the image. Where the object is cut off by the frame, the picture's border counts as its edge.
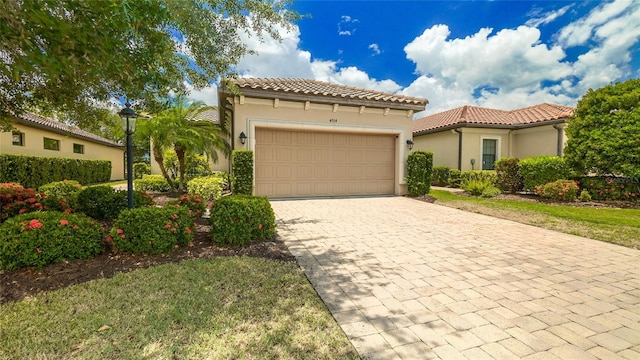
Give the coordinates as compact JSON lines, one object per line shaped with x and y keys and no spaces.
{"x":129,"y":126}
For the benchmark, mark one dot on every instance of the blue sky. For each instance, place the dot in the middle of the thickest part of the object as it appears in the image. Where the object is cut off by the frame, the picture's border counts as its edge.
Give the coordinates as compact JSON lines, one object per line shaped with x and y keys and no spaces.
{"x":499,"y":54}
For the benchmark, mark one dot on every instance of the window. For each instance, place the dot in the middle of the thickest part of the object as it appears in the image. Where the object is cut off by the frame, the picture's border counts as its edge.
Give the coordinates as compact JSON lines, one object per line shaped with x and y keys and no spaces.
{"x":489,"y":153}
{"x":78,"y":148}
{"x":18,"y":138}
{"x":52,"y":144}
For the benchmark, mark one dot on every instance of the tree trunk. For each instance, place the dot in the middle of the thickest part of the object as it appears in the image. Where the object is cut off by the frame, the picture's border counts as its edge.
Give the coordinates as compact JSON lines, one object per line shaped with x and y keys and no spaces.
{"x":180,"y":154}
{"x":157,"y":155}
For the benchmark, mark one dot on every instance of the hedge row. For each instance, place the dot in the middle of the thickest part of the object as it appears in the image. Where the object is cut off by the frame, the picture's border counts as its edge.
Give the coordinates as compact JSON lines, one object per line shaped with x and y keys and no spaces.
{"x":35,"y":171}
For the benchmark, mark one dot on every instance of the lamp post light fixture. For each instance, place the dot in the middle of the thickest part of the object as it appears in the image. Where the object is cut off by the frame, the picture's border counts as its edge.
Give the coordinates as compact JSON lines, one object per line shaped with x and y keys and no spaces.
{"x":410,"y":144}
{"x":243,"y":137}
{"x":128,"y":117}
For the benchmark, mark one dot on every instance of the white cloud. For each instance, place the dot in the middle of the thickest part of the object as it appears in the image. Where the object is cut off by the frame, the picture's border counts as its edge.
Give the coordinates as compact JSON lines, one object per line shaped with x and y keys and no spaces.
{"x":547,"y":17}
{"x":346,"y":26}
{"x":208,"y":95}
{"x":579,"y":32}
{"x":351,"y":76}
{"x":375,"y":48}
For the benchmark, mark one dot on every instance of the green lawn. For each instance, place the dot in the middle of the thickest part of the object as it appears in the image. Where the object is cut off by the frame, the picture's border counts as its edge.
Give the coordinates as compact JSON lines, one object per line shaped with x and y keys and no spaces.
{"x":619,"y":226}
{"x":223,"y":308}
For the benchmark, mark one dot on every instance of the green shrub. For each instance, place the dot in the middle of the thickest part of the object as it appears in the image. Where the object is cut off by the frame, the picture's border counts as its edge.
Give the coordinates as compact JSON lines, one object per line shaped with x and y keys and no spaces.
{"x":440,"y":176}
{"x":542,"y":170}
{"x":193,"y":203}
{"x":490,"y":192}
{"x":15,"y":200}
{"x":156,"y":183}
{"x":225,"y":179}
{"x":195,"y":165}
{"x":477,"y":186}
{"x":152,"y":230}
{"x":47,"y":237}
{"x":208,"y":188}
{"x":483,"y":175}
{"x":35,"y":171}
{"x":140,"y":169}
{"x":455,"y":178}
{"x":508,"y":176}
{"x":242,"y":172}
{"x":104,"y":202}
{"x":419,"y":173}
{"x":62,"y":190}
{"x":611,"y":187}
{"x":237,"y":219}
{"x":584,"y":196}
{"x":559,"y":190}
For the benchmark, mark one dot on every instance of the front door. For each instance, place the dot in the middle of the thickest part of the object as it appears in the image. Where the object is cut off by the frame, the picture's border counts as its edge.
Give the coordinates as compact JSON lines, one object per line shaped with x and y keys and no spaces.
{"x":489,"y":147}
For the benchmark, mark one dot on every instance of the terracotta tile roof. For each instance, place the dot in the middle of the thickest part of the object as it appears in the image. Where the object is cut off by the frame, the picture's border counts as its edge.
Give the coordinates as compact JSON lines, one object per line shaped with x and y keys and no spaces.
{"x":479,"y":117}
{"x":38,"y":121}
{"x":209,"y":115}
{"x":336,"y":93}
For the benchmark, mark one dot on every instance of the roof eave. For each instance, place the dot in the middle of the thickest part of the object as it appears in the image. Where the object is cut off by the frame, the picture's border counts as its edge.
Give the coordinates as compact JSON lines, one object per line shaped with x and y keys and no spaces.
{"x":491,"y":126}
{"x":67,"y":133}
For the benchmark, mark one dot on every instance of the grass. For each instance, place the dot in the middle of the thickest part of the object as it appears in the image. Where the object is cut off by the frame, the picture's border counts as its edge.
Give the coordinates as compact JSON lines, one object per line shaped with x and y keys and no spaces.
{"x":618,"y":226}
{"x":222,"y":308}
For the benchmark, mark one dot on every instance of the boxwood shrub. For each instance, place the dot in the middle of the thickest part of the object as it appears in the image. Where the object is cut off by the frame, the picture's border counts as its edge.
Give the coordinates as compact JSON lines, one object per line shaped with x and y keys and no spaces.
{"x":104,"y":202}
{"x":152,"y":230}
{"x":156,"y":183}
{"x":541,"y":170}
{"x":238,"y":219}
{"x":47,"y":237}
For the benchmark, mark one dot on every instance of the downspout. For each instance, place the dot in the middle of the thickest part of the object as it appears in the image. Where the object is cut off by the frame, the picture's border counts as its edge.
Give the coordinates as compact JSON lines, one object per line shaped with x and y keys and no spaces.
{"x":560,"y":138}
{"x":459,"y":148}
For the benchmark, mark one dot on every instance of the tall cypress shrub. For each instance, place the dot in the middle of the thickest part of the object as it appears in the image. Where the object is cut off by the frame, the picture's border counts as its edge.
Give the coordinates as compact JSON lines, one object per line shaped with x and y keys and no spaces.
{"x":419,"y":173}
{"x":242,"y":172}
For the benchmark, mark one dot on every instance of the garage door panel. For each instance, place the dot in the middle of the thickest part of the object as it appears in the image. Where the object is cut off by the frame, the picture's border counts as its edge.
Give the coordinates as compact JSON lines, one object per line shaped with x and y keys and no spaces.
{"x":298,"y":163}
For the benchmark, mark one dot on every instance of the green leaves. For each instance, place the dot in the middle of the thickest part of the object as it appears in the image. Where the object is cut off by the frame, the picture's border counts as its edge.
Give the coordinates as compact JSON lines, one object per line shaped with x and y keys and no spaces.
{"x":242,"y":172}
{"x":419,"y":172}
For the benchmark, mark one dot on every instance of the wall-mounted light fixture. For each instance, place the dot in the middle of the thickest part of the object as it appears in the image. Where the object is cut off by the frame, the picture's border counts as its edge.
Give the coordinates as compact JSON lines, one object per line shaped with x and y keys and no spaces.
{"x":410,"y":144}
{"x":243,"y":137}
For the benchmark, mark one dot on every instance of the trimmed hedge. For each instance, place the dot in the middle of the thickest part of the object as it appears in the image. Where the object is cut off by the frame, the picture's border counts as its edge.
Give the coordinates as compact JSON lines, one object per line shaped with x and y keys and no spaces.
{"x":455,"y":178}
{"x":47,"y":237}
{"x":242,"y":172}
{"x":155,"y":183}
{"x":35,"y":171}
{"x":208,"y":188}
{"x":440,"y":176}
{"x":541,"y":170}
{"x":66,"y":190}
{"x":152,"y":230}
{"x":419,"y":172}
{"x":237,"y":220}
{"x":104,"y":202}
{"x":509,"y":177}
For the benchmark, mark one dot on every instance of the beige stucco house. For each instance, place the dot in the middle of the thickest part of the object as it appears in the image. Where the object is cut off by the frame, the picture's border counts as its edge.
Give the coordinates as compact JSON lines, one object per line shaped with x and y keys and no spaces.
{"x":313,"y":138}
{"x":471,"y":137}
{"x":39,"y":136}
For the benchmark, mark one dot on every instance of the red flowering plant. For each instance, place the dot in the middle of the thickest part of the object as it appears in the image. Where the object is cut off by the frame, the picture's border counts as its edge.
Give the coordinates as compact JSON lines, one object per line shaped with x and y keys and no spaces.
{"x":612,"y":188}
{"x":152,"y":230}
{"x":47,"y":237}
{"x":193,"y":203}
{"x":16,"y":199}
{"x":560,"y":190}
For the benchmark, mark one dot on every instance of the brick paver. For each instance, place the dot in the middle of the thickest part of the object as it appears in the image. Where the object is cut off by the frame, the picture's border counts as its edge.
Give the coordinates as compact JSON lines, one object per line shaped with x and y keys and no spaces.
{"x":412,"y":280}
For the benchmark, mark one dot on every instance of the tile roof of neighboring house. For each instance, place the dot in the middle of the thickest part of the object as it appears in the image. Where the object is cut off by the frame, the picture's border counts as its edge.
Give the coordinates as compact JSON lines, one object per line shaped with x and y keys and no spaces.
{"x":320,"y":91}
{"x":474,"y":116}
{"x":38,"y":121}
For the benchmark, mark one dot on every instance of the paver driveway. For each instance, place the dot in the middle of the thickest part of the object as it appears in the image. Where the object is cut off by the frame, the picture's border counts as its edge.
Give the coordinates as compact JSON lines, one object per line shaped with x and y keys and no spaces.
{"x":408,"y":279}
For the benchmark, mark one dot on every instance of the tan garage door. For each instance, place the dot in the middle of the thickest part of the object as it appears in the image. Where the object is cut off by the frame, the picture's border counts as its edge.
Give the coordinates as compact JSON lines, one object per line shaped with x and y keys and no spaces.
{"x":300,"y":164}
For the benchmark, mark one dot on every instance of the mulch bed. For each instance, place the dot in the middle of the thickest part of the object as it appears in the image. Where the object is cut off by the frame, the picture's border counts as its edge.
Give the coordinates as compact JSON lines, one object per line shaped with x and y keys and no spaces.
{"x":19,"y":284}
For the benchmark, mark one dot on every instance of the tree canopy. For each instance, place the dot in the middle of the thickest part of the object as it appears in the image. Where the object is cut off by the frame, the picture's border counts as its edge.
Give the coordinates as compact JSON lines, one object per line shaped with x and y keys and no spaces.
{"x":604,"y":132}
{"x":66,"y":55}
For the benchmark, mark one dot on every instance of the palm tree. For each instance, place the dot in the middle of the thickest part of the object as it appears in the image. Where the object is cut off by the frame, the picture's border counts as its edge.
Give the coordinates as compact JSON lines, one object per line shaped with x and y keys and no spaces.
{"x":183,"y":128}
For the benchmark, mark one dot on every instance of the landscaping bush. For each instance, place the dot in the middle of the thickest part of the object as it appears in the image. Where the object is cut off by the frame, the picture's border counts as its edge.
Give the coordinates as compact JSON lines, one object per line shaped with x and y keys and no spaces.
{"x":541,"y":170}
{"x":156,"y":183}
{"x":508,"y":176}
{"x":35,"y":171}
{"x":104,"y":202}
{"x":419,"y":172}
{"x":208,"y":188}
{"x":559,"y":190}
{"x":195,"y":165}
{"x":482,"y":175}
{"x":611,"y":187}
{"x":478,"y":186}
{"x":140,"y":169}
{"x":193,"y":203}
{"x":455,"y":178}
{"x":15,"y":200}
{"x":65,"y":190}
{"x":440,"y":176}
{"x":242,"y":172}
{"x":237,"y":220}
{"x":47,"y":237}
{"x":584,"y":196}
{"x":490,"y":192}
{"x":152,"y":230}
